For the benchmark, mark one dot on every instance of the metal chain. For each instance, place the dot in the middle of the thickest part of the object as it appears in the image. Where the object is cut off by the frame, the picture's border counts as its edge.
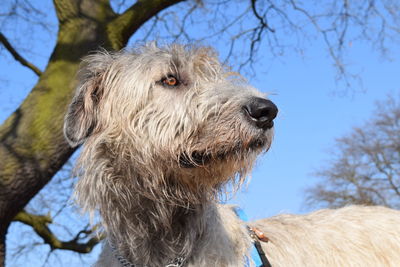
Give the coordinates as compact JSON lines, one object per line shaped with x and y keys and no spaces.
{"x":124,"y":262}
{"x":177,"y":262}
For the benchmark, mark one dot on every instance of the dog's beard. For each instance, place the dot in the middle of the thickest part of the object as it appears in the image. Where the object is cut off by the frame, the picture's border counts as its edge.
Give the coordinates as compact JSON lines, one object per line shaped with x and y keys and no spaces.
{"x":201,"y":158}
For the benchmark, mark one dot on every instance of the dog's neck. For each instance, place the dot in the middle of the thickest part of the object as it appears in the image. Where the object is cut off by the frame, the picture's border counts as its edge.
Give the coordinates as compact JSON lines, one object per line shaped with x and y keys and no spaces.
{"x":154,"y":230}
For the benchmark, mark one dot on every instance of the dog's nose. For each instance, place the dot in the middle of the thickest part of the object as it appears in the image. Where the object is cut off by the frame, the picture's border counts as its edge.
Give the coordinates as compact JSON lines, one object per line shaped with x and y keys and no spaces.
{"x":261,"y":112}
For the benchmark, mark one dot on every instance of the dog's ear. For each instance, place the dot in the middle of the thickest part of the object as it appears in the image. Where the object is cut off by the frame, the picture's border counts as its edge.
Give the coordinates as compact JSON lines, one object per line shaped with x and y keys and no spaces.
{"x":81,"y":117}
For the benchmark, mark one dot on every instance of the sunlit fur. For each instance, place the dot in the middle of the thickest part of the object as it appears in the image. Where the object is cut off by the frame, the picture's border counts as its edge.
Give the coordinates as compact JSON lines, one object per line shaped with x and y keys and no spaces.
{"x":135,"y":131}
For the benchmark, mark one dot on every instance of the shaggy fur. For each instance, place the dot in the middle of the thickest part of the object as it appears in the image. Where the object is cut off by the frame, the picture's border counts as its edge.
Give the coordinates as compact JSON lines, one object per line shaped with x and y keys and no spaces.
{"x":156,"y":158}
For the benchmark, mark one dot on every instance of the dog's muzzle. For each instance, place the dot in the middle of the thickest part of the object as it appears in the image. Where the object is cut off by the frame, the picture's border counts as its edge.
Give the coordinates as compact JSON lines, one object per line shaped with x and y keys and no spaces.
{"x":260,"y":112}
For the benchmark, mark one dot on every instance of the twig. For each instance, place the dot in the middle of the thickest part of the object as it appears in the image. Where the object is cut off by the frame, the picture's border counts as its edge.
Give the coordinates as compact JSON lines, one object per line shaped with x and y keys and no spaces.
{"x":17,"y":56}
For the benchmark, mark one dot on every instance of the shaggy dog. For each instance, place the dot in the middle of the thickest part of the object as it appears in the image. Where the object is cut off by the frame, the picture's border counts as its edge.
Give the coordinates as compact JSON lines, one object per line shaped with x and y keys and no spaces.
{"x":164,"y":130}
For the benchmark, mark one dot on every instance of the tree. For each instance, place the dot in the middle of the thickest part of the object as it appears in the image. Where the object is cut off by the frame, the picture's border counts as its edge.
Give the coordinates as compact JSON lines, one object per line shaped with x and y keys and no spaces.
{"x":365,"y":168}
{"x":32,"y":147}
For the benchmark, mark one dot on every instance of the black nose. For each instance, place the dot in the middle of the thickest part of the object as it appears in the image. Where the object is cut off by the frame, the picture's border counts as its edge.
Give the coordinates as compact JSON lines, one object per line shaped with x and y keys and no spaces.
{"x":261,"y":112}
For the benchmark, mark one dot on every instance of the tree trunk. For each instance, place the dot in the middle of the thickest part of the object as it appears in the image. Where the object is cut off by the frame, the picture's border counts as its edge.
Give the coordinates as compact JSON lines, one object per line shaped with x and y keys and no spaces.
{"x":32,"y":147}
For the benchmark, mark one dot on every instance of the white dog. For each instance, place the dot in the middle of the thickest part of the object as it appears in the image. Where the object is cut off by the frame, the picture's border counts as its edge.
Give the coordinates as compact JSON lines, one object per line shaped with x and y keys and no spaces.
{"x":163,"y":131}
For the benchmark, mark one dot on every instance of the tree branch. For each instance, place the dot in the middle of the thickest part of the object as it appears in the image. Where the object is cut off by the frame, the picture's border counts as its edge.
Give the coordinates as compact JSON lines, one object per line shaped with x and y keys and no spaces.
{"x":121,"y":29}
{"x":262,"y":20}
{"x":17,"y":56}
{"x":39,"y":223}
{"x":98,"y":10}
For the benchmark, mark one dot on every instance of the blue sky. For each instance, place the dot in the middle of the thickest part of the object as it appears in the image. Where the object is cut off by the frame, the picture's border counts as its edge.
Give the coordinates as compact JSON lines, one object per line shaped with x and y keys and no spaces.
{"x":313,"y":112}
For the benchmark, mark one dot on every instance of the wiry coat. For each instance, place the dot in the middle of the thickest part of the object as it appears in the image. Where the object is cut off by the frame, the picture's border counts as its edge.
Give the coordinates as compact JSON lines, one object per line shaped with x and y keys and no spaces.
{"x":156,"y":157}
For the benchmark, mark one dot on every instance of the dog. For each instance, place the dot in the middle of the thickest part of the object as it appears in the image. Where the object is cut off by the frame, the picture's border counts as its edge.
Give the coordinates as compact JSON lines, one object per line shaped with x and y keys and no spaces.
{"x":164,"y":131}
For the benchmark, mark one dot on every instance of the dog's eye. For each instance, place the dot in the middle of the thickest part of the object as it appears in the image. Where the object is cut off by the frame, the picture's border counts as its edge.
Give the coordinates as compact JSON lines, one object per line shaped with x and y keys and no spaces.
{"x":170,"y":81}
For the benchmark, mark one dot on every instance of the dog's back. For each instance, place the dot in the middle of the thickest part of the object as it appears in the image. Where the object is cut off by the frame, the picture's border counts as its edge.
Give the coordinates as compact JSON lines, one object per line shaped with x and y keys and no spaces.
{"x":350,"y":236}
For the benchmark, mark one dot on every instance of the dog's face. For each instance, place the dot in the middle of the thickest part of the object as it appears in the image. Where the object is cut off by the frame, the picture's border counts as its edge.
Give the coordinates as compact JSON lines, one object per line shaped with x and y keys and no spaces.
{"x":175,"y":110}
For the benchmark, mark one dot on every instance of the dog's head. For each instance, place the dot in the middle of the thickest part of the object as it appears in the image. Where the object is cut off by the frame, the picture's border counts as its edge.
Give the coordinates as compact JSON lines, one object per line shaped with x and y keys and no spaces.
{"x":170,"y":111}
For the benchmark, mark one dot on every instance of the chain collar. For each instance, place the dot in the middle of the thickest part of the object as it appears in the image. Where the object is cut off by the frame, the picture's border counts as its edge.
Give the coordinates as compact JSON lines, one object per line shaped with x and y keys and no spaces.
{"x":177,"y":262}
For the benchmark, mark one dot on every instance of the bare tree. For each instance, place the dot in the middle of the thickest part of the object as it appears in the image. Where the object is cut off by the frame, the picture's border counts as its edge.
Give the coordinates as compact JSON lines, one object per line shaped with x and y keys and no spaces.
{"x":32,"y":147}
{"x":365,"y":168}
